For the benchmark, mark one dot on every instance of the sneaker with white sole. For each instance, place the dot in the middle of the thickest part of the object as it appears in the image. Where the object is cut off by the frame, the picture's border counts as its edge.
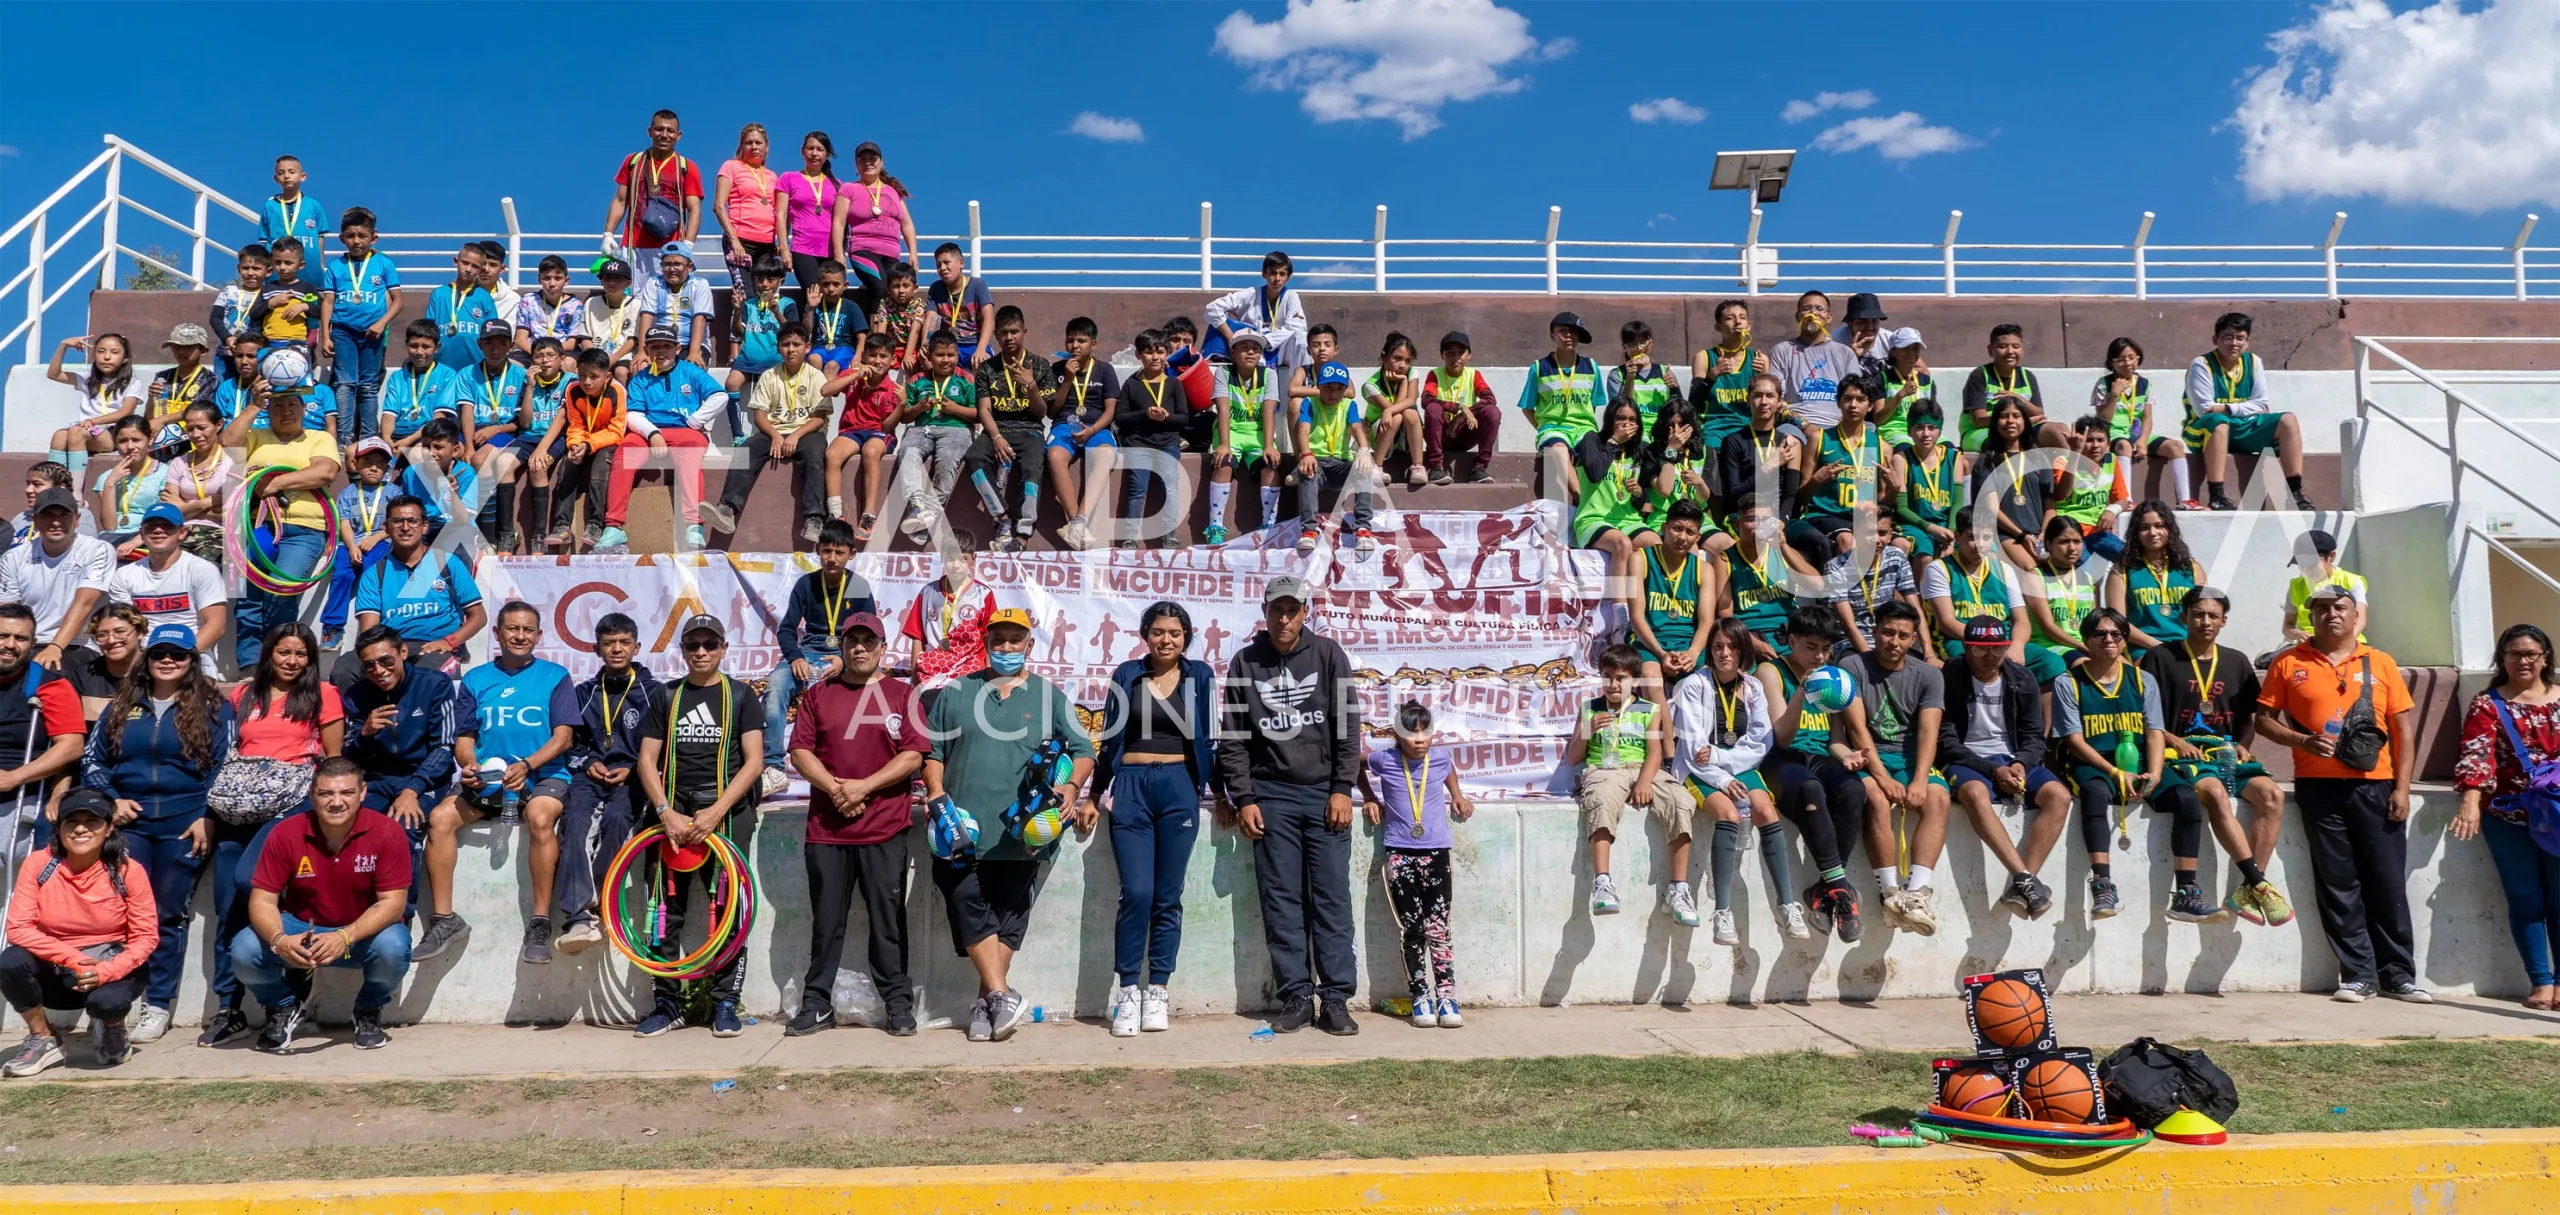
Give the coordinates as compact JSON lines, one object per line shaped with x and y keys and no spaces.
{"x":1426,"y":1013}
{"x":609,"y":542}
{"x":1124,"y":1012}
{"x":2352,"y":993}
{"x":442,"y":931}
{"x":1919,"y":911}
{"x":277,"y":1037}
{"x":1006,"y":1011}
{"x":1682,"y":906}
{"x":1307,"y":542}
{"x":536,"y":950}
{"x":1725,"y":934}
{"x":1155,"y":1009}
{"x":111,"y":1041}
{"x":1449,"y":1018}
{"x":35,"y":1054}
{"x":1890,"y":899}
{"x":2406,"y":990}
{"x":150,"y":1023}
{"x":579,"y":938}
{"x":1604,"y":895}
{"x":773,"y":782}
{"x":809,"y":529}
{"x":1792,"y":921}
{"x":719,"y":516}
{"x":2277,"y":909}
{"x":1364,"y":542}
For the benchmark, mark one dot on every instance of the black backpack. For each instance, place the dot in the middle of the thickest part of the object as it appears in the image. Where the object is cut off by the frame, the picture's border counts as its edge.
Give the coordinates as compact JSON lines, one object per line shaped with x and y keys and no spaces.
{"x":2148,"y":1080}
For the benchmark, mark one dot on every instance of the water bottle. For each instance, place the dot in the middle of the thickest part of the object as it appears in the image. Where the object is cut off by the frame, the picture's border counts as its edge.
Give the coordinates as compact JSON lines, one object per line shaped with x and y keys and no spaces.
{"x":2335,"y":726}
{"x":511,"y":808}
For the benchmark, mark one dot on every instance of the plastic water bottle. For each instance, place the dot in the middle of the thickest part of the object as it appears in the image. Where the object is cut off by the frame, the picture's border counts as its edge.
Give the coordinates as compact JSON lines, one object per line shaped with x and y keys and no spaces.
{"x":511,"y":808}
{"x":1262,"y":1034}
{"x":2335,"y":726}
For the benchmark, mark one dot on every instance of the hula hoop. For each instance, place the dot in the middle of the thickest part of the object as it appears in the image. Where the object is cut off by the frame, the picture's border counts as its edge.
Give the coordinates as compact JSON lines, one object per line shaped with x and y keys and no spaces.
{"x":240,"y":538}
{"x":633,"y":926}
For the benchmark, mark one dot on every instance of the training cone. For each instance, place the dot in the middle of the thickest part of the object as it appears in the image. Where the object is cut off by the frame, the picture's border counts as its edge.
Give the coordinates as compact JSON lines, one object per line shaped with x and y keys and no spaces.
{"x":2191,"y":1128}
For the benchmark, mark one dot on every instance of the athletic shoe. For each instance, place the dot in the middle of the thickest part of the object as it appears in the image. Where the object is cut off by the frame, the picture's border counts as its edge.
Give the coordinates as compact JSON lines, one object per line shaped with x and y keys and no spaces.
{"x":1124,"y":1011}
{"x":2190,"y":504}
{"x":557,"y":537}
{"x":1306,"y":542}
{"x":901,"y":1024}
{"x":580,"y":937}
{"x":1845,"y":918}
{"x":442,"y":931}
{"x":2272,"y":904}
{"x":719,"y":517}
{"x":1004,"y":541}
{"x":1724,"y":933}
{"x":2015,"y":896}
{"x":368,"y":1026}
{"x":1889,"y":899}
{"x":2302,"y":502}
{"x":2352,"y":993}
{"x":724,"y":1020}
{"x":2242,"y":902}
{"x":809,"y":1021}
{"x":1364,"y":541}
{"x":1294,"y":1015}
{"x":1005,"y":1013}
{"x":33,"y":1055}
{"x":277,"y":1037}
{"x":610,"y":541}
{"x":1683,"y":907}
{"x":1129,"y":546}
{"x":150,"y":1023}
{"x":1604,"y":895}
{"x":2223,"y":502}
{"x":660,"y":1020}
{"x":224,"y":1025}
{"x":693,"y":537}
{"x":1817,"y":909}
{"x":1426,"y":1013}
{"x":1791,"y":921}
{"x":1172,"y":542}
{"x":1336,"y":1019}
{"x":1074,"y":533}
{"x":1025,"y":526}
{"x":111,"y":1041}
{"x":809,"y":529}
{"x":1919,"y":913}
{"x":773,"y":782}
{"x":2411,"y":992}
{"x":594,"y":531}
{"x":2039,"y":897}
{"x":329,"y":638}
{"x":980,"y":1028}
{"x":1440,"y":475}
{"x":1155,"y":1009}
{"x":537,"y":942}
{"x":1449,"y":1018}
{"x":2187,"y":905}
{"x":1477,"y":474}
{"x":1414,"y":477}
{"x":2103,"y":902}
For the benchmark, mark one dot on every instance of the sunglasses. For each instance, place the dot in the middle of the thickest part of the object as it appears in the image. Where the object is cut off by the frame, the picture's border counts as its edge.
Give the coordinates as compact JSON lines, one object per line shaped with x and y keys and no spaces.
{"x":704,"y":647}
{"x":171,"y":654}
{"x":2102,"y":635}
{"x":384,"y":663}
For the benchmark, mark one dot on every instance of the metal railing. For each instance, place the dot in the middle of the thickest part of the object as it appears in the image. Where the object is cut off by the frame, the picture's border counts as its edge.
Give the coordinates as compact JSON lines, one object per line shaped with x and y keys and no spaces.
{"x":1546,"y":263}
{"x":2457,"y":403}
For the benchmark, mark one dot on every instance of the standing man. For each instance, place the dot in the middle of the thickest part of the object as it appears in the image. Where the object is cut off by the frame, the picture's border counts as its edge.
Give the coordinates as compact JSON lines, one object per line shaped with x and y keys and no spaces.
{"x":701,"y":757}
{"x":2341,"y":706}
{"x":860,"y":740}
{"x":612,"y":708}
{"x":328,"y":891}
{"x":657,"y":198}
{"x":61,"y":576}
{"x":991,"y":734}
{"x":41,"y":733}
{"x":1288,"y":755}
{"x":171,"y":585}
{"x":518,"y":710}
{"x":402,"y":743}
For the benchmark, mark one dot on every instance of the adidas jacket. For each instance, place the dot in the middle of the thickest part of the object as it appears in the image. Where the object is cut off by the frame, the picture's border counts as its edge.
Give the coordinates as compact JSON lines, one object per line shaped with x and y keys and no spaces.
{"x":1289,"y":718}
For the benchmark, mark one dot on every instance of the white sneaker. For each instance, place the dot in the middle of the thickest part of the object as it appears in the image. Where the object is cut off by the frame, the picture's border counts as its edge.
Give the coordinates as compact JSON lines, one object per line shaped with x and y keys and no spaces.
{"x":1792,"y":922}
{"x":581,"y":936}
{"x":150,"y":1023}
{"x":1918,"y":913}
{"x":1725,"y":935}
{"x":1682,"y":905}
{"x":1449,"y":1018}
{"x":1604,"y":895}
{"x":1075,"y":533}
{"x":1890,"y":899}
{"x":1125,"y":1013}
{"x":1426,"y":1013}
{"x":1155,"y":1009}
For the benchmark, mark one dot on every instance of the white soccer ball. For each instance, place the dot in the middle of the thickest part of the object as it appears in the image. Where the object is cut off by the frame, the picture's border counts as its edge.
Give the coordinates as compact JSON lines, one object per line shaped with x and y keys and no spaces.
{"x":284,"y":367}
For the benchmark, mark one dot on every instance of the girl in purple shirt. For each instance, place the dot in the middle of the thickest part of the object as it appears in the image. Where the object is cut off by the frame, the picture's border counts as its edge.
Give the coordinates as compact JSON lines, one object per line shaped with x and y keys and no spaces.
{"x":1412,"y":795}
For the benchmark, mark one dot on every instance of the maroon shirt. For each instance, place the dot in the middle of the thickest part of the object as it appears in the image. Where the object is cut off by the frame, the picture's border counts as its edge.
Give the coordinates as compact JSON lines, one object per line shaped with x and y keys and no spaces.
{"x":855,"y":732}
{"x":331,"y":890}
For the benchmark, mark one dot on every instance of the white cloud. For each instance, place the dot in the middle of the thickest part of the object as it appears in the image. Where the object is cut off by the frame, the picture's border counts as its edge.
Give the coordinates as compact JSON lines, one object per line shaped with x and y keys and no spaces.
{"x":1400,"y":60}
{"x":8,"y":149}
{"x":2431,"y":106}
{"x":1824,"y":103}
{"x":1904,"y":136}
{"x":1107,"y":129}
{"x":1660,"y":218}
{"x":1666,"y":109}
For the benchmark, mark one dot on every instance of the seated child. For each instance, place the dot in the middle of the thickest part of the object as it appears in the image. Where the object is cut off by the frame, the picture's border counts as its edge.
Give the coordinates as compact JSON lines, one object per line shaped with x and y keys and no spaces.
{"x":872,"y":400}
{"x":1620,"y":743}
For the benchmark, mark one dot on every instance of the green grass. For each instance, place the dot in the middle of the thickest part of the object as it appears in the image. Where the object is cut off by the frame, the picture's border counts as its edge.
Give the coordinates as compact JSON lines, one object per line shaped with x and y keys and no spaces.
{"x":241,"y":1131}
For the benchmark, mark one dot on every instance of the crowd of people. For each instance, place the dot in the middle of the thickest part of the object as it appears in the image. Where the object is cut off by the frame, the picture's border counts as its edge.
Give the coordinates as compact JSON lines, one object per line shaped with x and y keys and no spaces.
{"x":1839,"y":618}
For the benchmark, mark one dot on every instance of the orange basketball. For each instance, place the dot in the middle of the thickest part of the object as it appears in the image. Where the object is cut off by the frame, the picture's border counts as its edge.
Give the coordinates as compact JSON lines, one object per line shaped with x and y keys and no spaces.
{"x":2009,"y":1014}
{"x":2057,"y":1090}
{"x":1975,"y":1090}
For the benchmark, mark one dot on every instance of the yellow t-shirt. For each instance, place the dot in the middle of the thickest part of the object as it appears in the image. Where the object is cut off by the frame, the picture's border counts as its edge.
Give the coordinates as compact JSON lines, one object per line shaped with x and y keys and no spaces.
{"x":266,"y":450}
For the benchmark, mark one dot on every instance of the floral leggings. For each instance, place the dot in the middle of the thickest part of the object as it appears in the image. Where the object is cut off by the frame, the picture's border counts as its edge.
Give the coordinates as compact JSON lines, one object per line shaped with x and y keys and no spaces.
{"x":1418,"y":889}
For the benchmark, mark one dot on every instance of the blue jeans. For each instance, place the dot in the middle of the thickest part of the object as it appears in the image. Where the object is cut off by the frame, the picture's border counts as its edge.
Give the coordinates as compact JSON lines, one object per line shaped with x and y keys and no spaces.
{"x":1155,"y":816}
{"x":383,"y":957}
{"x":2106,"y":544}
{"x":779,"y":688}
{"x":297,"y":550}
{"x":2532,"y":881}
{"x":235,"y":864}
{"x":160,"y":846}
{"x":358,"y":375}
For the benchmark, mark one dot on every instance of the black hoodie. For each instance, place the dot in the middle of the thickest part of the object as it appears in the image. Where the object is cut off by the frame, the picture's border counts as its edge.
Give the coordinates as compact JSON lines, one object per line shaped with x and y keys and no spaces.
{"x":1289,"y":718}
{"x":591,"y":743}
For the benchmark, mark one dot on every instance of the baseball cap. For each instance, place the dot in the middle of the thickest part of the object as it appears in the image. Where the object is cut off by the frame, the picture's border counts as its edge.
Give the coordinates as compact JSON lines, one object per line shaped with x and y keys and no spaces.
{"x":1903,"y":338}
{"x":173,"y":634}
{"x":703,"y":622}
{"x":2322,"y":545}
{"x":1238,"y":335}
{"x":862,"y":620}
{"x":1286,"y":586}
{"x":865,"y":146}
{"x":372,"y":445}
{"x":2330,"y":590}
{"x":1986,"y":631}
{"x":86,"y":801}
{"x":56,"y":497}
{"x":496,"y":329}
{"x":660,"y":332}
{"x":189,"y":334}
{"x":1572,"y":321}
{"x":1333,"y":373}
{"x":164,"y":512}
{"x":1013,"y":616}
{"x":676,"y":248}
{"x":610,"y":267}
{"x":1457,"y":338}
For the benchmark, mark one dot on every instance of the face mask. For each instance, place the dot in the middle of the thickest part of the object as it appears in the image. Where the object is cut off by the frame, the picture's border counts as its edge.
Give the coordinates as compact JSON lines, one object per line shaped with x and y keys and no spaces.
{"x":1007,"y":664}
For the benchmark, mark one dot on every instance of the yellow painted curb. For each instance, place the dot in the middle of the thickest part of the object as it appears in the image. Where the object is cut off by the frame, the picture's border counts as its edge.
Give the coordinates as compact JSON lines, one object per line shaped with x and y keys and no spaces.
{"x":2473,"y":1172}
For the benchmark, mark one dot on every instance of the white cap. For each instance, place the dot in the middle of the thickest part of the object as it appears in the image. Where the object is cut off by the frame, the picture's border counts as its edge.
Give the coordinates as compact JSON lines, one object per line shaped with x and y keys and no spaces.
{"x":1905,"y":336}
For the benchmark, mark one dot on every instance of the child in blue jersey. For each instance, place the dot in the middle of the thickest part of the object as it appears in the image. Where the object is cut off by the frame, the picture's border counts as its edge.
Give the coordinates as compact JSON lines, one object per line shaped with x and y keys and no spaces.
{"x":1410,"y":791}
{"x":292,"y":215}
{"x":364,"y":290}
{"x":444,"y":474}
{"x":363,"y":519}
{"x":459,"y":309}
{"x":546,"y":388}
{"x":605,"y":743}
{"x":521,"y":710}
{"x":240,"y":390}
{"x":492,"y":424}
{"x":418,"y":391}
{"x":756,"y":326}
{"x":837,"y":326}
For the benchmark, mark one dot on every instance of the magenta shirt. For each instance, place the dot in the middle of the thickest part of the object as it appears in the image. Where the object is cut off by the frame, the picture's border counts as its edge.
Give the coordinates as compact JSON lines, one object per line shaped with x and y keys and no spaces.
{"x":813,"y":211}
{"x":869,"y":233}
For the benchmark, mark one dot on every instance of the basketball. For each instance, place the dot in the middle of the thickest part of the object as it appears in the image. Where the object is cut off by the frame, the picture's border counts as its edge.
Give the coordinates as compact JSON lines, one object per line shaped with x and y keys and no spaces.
{"x":1975,"y":1089}
{"x":2009,"y":1014}
{"x":1829,"y":690}
{"x":284,"y":367}
{"x":2057,"y":1090}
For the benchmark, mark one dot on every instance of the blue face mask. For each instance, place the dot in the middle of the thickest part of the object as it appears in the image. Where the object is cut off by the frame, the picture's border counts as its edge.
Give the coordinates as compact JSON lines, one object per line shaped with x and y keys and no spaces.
{"x":1007,"y":664}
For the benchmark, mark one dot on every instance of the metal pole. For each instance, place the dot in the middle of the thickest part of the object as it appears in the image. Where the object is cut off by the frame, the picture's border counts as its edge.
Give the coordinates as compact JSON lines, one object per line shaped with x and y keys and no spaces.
{"x":1751,"y":255}
{"x":2453,"y":460}
{"x":2364,"y":426}
{"x":1955,"y":219}
{"x":977,"y":242}
{"x":2329,"y":252}
{"x":35,"y":288}
{"x":515,"y":243}
{"x":2517,"y":252}
{"x":1555,"y":219}
{"x":196,"y":266}
{"x":1378,"y":245}
{"x":107,"y":228}
{"x":1205,"y":283}
{"x":2142,"y":259}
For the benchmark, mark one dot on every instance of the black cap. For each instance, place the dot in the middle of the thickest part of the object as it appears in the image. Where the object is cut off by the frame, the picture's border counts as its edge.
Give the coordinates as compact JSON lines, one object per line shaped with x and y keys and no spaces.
{"x":2322,"y":544}
{"x":57,"y":496}
{"x":611,"y":267}
{"x":1864,"y":306}
{"x":86,"y":801}
{"x":703,"y":622}
{"x":1457,"y":338}
{"x":1567,"y":320}
{"x":866,"y":146}
{"x":497,"y":329}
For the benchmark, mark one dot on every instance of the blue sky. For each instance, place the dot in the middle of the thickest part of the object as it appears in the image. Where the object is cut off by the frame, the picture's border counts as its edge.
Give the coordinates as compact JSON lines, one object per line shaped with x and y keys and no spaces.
{"x":2053,"y":121}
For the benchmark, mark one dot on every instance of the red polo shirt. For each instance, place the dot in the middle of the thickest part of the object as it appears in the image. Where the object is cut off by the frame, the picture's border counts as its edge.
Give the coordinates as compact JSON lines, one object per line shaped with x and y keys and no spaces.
{"x":332,"y":889}
{"x":855,"y":732}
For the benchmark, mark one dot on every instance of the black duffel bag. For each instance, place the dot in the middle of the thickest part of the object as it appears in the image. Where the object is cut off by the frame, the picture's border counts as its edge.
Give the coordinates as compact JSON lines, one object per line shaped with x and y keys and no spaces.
{"x":2147,"y":1081}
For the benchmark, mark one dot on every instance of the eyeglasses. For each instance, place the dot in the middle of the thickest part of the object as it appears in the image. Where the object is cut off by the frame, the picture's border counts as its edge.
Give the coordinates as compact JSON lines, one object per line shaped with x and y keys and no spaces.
{"x":2101,"y":635}
{"x":703,"y":647}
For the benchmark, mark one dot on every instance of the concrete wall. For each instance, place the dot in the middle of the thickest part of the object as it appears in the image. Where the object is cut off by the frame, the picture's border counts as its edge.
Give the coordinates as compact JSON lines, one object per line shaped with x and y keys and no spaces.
{"x":1524,"y":931}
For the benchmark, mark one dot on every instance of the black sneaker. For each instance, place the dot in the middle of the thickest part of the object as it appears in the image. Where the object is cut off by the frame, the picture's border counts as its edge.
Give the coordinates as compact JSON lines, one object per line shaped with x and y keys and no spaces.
{"x":277,"y":1037}
{"x":2406,"y":990}
{"x":1817,"y":909}
{"x":2302,"y":502}
{"x":1293,"y":1016}
{"x":661,"y":1020}
{"x":537,"y":942}
{"x":1844,"y":916}
{"x":224,"y":1025}
{"x":809,"y":1021}
{"x":724,"y":1020}
{"x":2187,"y":905}
{"x":2222,"y":502}
{"x":902,"y":1025}
{"x":2039,"y":897}
{"x":1336,"y":1020}
{"x":113,"y":1042}
{"x":368,"y":1023}
{"x":2103,"y":903}
{"x":2015,"y":896}
{"x":442,"y":931}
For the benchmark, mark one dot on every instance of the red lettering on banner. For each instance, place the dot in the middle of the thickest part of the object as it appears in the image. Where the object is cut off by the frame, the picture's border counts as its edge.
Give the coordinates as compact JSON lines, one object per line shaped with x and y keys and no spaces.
{"x":560,"y":630}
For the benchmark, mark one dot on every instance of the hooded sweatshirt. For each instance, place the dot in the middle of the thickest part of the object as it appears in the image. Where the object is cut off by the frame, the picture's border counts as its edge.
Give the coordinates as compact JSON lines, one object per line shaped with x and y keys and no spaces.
{"x":1291,"y":719}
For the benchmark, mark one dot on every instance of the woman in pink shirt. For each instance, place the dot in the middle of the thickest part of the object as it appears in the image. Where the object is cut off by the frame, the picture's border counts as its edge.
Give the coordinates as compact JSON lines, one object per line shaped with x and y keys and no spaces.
{"x":744,"y":198}
{"x":81,"y":924}
{"x":810,"y":208}
{"x":870,"y":225}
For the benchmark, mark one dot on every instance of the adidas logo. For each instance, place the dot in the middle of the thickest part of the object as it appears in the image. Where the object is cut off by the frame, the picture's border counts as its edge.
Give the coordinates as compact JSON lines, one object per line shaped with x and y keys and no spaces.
{"x":1286,"y":691}
{"x":699,"y":724}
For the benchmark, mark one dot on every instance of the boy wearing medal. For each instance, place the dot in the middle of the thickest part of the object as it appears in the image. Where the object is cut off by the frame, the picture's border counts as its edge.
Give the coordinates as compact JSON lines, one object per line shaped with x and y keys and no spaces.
{"x":2006,"y":377}
{"x":941,"y":415}
{"x":836,"y":328}
{"x":2228,"y":411}
{"x":960,"y":305}
{"x":363,"y":512}
{"x":364,"y":300}
{"x":812,"y":619}
{"x":603,"y":746}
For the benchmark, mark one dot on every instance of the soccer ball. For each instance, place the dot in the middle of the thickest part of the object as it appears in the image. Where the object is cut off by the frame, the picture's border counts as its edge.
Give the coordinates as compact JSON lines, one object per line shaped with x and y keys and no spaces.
{"x":284,"y":367}
{"x":1041,"y":827}
{"x":952,"y":831}
{"x":1829,"y":690}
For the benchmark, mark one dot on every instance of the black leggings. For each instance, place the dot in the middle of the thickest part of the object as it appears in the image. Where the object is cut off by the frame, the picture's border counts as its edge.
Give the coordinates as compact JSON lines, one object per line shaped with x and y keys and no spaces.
{"x":804,"y":271}
{"x":2097,"y":825}
{"x":1826,"y":802}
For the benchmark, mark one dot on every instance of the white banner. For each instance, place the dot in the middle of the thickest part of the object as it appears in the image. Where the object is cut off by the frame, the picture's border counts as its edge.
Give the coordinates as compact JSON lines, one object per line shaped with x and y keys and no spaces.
{"x":1476,"y":615}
